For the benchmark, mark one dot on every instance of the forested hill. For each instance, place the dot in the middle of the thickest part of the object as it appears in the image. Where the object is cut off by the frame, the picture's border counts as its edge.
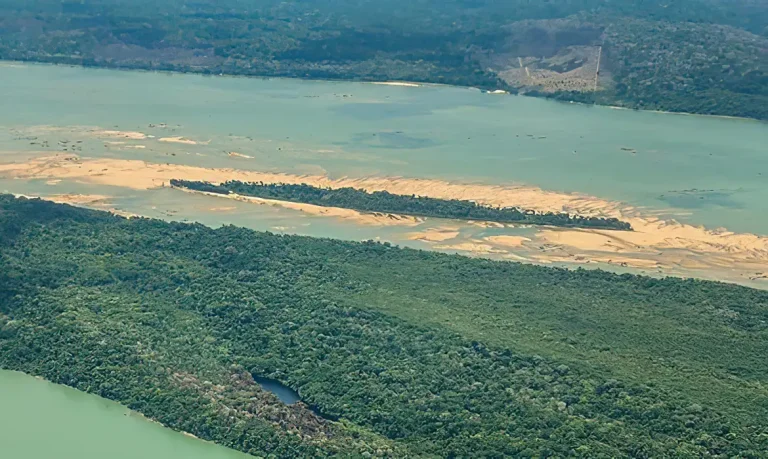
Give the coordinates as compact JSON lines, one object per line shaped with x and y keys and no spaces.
{"x":385,"y":202}
{"x":701,"y":56}
{"x":401,"y":353}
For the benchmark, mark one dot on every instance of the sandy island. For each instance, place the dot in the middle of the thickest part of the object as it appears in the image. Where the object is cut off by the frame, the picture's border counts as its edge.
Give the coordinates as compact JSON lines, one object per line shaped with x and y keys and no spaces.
{"x":181,"y":140}
{"x":130,"y":135}
{"x":398,"y":83}
{"x":435,"y":234}
{"x":234,"y":154}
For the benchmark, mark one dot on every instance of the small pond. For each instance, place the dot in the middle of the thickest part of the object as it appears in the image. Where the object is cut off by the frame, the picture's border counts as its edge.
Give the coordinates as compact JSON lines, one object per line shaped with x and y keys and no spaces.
{"x":283,"y":392}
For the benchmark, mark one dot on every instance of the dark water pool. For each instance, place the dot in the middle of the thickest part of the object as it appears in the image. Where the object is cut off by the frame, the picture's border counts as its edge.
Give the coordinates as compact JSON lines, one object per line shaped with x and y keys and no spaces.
{"x":283,"y":392}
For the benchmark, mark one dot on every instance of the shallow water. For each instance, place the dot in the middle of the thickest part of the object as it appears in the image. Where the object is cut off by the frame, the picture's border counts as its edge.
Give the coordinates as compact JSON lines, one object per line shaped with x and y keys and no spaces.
{"x":41,"y":420}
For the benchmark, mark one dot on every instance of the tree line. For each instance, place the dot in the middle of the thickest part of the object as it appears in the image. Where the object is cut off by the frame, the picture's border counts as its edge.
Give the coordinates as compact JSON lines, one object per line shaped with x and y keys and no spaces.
{"x":386,"y":202}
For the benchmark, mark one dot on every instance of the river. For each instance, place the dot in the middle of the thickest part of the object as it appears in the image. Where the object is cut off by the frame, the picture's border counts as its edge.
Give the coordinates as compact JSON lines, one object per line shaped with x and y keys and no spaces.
{"x":694,"y":187}
{"x":39,"y":419}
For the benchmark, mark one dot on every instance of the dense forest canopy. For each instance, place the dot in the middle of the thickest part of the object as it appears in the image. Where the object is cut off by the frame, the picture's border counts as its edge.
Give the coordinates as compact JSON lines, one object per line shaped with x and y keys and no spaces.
{"x":703,"y":56}
{"x":395,"y":352}
{"x":385,"y":202}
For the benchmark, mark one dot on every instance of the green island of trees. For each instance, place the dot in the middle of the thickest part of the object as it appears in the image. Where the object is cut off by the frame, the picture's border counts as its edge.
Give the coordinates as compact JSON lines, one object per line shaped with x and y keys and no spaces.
{"x":385,"y":202}
{"x":404,"y":353}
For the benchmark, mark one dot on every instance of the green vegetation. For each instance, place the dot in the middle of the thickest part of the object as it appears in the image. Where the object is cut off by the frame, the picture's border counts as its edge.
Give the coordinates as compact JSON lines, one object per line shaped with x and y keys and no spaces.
{"x":385,"y":202}
{"x":404,"y":352}
{"x":701,"y":56}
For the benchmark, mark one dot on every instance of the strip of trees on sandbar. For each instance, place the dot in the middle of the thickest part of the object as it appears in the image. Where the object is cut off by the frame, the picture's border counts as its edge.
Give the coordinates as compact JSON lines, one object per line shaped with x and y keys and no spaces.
{"x":412,"y":205}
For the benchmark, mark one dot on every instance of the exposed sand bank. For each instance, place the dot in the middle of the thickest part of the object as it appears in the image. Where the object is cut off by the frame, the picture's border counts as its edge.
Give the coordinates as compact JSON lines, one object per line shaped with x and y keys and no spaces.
{"x":130,"y":135}
{"x":90,"y":200}
{"x":142,"y":175}
{"x":474,"y":247}
{"x":235,"y":154}
{"x":435,"y":234}
{"x":179,"y":139}
{"x":377,"y":219}
{"x":84,"y":132}
{"x":398,"y":83}
{"x":508,"y":241}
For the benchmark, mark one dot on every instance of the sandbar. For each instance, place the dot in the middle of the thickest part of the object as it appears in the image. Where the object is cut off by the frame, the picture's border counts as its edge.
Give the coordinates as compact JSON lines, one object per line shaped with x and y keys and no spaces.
{"x":181,"y":140}
{"x":377,"y":219}
{"x":474,"y":247}
{"x":654,"y":244}
{"x":508,"y":241}
{"x":90,"y":200}
{"x":131,"y":135}
{"x":398,"y":83}
{"x":435,"y":234}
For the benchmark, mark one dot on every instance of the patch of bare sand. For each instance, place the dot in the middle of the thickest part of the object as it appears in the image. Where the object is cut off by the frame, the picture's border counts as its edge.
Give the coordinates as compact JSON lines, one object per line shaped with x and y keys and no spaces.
{"x":670,"y":248}
{"x":588,"y":240}
{"x":507,"y":241}
{"x":397,"y":83}
{"x":377,"y":219}
{"x":118,"y":145}
{"x":235,"y":154}
{"x":626,"y":262}
{"x":473,"y":247}
{"x":142,"y":175}
{"x":654,"y":235}
{"x":90,"y":200}
{"x":435,"y":234}
{"x":130,"y":135}
{"x":486,"y":224}
{"x":83,"y":131}
{"x":179,"y":139}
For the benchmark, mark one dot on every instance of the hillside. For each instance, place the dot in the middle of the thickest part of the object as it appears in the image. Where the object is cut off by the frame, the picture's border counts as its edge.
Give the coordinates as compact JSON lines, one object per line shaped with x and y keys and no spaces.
{"x":395,"y":352}
{"x":701,"y":56}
